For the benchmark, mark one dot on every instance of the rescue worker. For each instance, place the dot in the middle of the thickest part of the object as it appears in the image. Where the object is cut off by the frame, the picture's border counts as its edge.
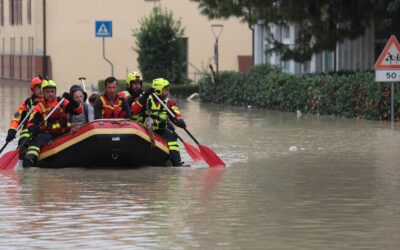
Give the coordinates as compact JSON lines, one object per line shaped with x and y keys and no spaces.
{"x":20,"y":115}
{"x":133,"y":91}
{"x":55,"y":126}
{"x":110,"y":105}
{"x":160,"y":116}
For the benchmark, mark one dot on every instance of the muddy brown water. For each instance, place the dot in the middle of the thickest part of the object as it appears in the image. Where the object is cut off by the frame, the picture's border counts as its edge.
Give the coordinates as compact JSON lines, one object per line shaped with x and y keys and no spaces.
{"x":292,"y":182}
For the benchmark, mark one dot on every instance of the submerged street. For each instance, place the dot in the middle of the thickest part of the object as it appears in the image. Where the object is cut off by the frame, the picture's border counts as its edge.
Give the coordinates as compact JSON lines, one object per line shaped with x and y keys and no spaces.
{"x":291,"y":182}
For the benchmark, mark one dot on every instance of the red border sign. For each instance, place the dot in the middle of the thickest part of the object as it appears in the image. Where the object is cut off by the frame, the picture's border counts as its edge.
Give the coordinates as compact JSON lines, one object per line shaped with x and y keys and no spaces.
{"x":381,"y":58}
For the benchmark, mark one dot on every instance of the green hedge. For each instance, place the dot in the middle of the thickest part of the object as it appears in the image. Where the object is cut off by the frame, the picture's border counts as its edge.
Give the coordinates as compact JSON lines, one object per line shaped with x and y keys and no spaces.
{"x":181,"y":90}
{"x":351,"y":95}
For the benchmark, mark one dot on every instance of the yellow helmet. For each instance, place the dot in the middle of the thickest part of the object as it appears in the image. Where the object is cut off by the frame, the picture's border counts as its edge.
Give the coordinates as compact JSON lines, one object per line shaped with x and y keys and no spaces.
{"x":159,"y":84}
{"x":48,"y":84}
{"x":133,"y":76}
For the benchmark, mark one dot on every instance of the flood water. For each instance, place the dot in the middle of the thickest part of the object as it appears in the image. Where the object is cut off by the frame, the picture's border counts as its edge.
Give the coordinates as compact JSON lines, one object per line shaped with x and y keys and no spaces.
{"x":291,"y":182}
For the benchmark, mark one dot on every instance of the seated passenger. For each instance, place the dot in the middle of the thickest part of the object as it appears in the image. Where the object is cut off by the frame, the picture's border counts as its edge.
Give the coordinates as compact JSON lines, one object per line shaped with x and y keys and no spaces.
{"x":110,"y":105}
{"x":92,"y":99}
{"x":80,"y":96}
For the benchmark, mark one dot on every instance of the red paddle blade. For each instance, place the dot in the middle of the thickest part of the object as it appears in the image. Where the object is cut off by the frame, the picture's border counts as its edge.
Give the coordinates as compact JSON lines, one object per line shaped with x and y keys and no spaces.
{"x":210,"y":157}
{"x":193,"y":152}
{"x":9,"y":160}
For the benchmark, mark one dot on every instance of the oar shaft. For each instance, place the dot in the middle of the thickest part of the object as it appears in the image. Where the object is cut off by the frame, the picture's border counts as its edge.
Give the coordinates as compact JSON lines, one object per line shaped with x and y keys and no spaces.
{"x":18,"y":128}
{"x":45,"y":119}
{"x":5,"y":145}
{"x":84,"y":87}
{"x":191,"y":136}
{"x":173,"y":115}
{"x":164,"y":105}
{"x":24,"y":120}
{"x":53,"y":110}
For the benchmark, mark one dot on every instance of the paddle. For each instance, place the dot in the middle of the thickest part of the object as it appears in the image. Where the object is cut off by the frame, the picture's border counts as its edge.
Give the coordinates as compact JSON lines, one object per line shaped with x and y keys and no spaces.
{"x":18,"y":128}
{"x":8,"y":160}
{"x":84,"y":87}
{"x":209,"y":156}
{"x":193,"y":152}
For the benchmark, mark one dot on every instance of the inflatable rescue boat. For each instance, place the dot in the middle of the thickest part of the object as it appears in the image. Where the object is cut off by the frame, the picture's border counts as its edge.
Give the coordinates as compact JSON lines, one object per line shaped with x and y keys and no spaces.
{"x":106,"y":143}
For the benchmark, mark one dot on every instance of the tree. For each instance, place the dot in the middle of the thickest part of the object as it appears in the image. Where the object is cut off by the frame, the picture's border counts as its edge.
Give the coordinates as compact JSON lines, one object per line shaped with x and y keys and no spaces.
{"x":323,"y":23}
{"x":159,"y":47}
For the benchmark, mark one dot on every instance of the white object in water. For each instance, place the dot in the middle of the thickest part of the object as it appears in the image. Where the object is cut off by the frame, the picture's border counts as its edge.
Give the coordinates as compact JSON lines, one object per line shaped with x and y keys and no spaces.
{"x":192,"y":96}
{"x":249,"y":106}
{"x":293,"y":149}
{"x":298,"y":113}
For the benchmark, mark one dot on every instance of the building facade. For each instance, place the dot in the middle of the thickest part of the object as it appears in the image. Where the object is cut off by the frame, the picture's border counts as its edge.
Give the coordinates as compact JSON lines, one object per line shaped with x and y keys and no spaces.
{"x":58,"y":36}
{"x":350,"y":55}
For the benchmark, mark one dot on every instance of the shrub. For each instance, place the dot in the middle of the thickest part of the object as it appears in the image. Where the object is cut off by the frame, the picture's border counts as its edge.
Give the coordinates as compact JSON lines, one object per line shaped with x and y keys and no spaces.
{"x":351,"y":95}
{"x":160,"y":47}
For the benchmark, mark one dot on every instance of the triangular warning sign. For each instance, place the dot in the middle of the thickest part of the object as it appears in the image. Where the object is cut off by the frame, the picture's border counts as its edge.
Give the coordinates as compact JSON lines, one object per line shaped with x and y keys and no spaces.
{"x":103,"y":30}
{"x":390,"y":56}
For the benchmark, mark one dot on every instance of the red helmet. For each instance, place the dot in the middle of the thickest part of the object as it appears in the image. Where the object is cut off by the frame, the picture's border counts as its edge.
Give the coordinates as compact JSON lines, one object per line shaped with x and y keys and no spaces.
{"x":37,"y":80}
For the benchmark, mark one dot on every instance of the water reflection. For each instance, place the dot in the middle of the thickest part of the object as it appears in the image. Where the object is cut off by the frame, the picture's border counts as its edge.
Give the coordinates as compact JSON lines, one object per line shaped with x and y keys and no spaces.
{"x":338,"y":191}
{"x":12,"y":93}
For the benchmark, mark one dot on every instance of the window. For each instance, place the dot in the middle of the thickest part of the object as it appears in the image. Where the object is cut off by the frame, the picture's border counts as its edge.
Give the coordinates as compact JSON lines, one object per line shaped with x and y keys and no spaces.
{"x":19,"y":11}
{"x":307,"y":67}
{"x":29,"y":10}
{"x":286,"y":32}
{"x":267,"y":55}
{"x":11,"y":14}
{"x":328,"y":61}
{"x":286,"y":66}
{"x":2,"y":12}
{"x":15,"y":12}
{"x":12,"y":56}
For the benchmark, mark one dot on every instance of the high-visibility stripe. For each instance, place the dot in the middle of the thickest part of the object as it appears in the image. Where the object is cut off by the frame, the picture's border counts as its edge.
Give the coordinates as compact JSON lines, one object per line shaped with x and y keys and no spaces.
{"x":33,"y":151}
{"x":24,"y":133}
{"x":173,"y":146}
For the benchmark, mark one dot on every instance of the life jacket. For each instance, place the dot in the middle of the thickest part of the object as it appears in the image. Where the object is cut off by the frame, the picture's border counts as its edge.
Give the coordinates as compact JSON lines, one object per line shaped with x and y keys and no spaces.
{"x":158,"y":113}
{"x":139,"y":118}
{"x":112,"y":111}
{"x":58,"y":123}
{"x":22,"y":111}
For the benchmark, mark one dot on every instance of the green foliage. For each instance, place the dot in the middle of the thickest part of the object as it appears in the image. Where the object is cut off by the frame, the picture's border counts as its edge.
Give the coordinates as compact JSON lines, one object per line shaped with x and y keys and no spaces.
{"x":351,"y":95}
{"x":159,"y":47}
{"x":322,"y":24}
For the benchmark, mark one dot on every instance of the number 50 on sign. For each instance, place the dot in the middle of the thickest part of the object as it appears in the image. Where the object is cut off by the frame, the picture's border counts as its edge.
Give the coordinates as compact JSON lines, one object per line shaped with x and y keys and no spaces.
{"x":387,"y":75}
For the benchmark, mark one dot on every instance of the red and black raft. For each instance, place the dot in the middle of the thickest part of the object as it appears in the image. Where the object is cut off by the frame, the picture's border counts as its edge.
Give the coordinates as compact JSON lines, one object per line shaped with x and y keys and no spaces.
{"x":106,"y":143}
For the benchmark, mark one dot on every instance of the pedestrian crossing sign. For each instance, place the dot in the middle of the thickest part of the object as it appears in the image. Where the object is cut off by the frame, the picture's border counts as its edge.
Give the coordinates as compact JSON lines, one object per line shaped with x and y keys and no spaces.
{"x":103,"y":28}
{"x":390,"y":56}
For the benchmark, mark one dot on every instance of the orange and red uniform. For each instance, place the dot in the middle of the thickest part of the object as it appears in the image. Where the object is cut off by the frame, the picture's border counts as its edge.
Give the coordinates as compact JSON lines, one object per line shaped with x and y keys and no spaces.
{"x":23,"y":110}
{"x":58,"y":123}
{"x":104,"y":108}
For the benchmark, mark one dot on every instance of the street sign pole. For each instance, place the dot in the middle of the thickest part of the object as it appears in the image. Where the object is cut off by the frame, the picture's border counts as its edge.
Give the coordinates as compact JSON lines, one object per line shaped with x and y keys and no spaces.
{"x":104,"y":56}
{"x":387,"y":69}
{"x":103,"y":29}
{"x":393,"y":104}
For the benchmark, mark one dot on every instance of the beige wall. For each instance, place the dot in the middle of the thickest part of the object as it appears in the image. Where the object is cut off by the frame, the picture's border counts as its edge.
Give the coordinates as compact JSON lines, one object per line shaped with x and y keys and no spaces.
{"x":23,"y":31}
{"x":75,"y":51}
